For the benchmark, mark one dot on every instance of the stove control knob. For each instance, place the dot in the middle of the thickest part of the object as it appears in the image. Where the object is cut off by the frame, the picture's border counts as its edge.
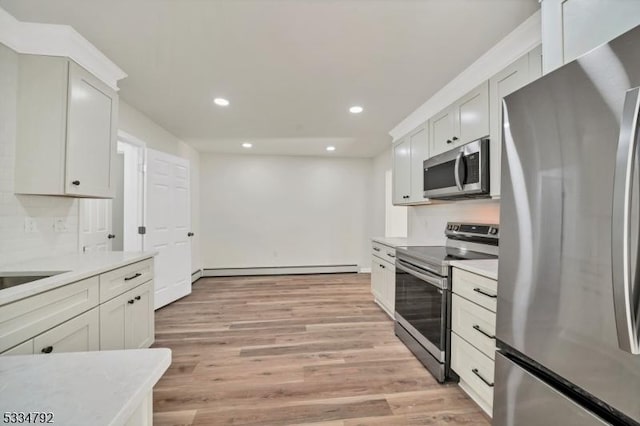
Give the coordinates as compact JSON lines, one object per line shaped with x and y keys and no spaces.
{"x":456,"y":227}
{"x":493,"y":231}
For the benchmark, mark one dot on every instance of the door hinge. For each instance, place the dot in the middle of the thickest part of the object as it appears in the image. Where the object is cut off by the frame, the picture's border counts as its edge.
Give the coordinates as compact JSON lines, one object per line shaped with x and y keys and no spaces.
{"x":142,"y":230}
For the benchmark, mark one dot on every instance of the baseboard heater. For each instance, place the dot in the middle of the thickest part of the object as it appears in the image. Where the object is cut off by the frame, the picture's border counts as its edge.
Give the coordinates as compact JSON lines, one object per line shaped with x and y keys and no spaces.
{"x":279,"y":270}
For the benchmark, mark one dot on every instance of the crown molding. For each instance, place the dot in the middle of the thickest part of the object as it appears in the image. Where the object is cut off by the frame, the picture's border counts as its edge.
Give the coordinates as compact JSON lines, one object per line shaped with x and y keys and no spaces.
{"x":58,"y":40}
{"x":520,"y":41}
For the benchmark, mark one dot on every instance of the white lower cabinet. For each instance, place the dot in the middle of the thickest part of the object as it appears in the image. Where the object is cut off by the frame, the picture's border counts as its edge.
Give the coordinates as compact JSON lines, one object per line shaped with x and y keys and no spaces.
{"x":473,"y":329}
{"x":126,"y":322}
{"x":71,"y":318}
{"x":383,"y":277}
{"x":79,"y":334}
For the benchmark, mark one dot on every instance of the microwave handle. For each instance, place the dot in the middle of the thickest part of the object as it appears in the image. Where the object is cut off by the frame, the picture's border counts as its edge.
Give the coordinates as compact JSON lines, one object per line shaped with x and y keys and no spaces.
{"x":456,"y":170}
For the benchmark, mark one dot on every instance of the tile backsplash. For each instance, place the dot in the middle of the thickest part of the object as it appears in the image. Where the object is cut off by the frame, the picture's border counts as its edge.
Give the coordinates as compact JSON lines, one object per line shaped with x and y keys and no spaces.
{"x":30,"y":226}
{"x":427,"y":223}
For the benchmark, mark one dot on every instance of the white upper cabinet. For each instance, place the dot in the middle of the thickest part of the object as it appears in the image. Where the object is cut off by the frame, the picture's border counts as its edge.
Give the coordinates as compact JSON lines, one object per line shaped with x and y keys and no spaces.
{"x":408,"y":155}
{"x":402,"y":171}
{"x":464,"y":121}
{"x":419,"y":153}
{"x":570,"y":28}
{"x":66,"y":131}
{"x":520,"y":73}
{"x":471,"y":115}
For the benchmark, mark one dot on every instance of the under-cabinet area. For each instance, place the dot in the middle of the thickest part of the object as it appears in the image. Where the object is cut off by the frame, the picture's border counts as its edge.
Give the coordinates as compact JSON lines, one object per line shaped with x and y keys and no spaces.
{"x":111,"y":310}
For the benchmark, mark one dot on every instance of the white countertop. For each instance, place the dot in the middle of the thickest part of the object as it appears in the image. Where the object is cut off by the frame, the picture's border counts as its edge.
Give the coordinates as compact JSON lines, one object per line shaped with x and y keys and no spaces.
{"x":401,"y":242}
{"x":76,"y":266}
{"x":486,"y":267}
{"x":83,"y":388}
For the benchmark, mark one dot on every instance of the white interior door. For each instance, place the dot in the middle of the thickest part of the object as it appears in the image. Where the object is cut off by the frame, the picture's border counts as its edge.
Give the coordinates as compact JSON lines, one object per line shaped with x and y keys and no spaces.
{"x":95,"y":224}
{"x":168,"y":224}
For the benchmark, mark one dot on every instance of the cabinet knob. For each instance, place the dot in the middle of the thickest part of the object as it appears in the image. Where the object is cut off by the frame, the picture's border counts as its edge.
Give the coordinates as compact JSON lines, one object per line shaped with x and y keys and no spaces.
{"x":190,"y":234}
{"x":111,"y":236}
{"x":449,"y":141}
{"x":455,"y":138}
{"x":47,"y":350}
{"x":76,"y":182}
{"x":131,"y":302}
{"x":137,"y":297}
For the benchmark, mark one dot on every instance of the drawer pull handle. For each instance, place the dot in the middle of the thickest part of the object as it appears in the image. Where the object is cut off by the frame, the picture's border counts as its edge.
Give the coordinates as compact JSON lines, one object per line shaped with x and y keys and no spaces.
{"x":136,"y":275}
{"x":131,"y":302}
{"x":137,"y":297}
{"x":376,"y":249}
{"x":391,"y":255}
{"x":486,"y":382}
{"x":477,"y":328}
{"x":484,"y":293}
{"x":47,"y":350}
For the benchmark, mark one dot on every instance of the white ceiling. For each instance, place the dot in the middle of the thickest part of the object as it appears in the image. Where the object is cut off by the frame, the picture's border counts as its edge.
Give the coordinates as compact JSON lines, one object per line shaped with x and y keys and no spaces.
{"x":291,"y":68}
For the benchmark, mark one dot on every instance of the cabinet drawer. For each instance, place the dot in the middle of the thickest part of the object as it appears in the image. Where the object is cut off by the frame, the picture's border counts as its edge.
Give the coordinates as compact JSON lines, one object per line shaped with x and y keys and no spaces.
{"x":25,"y":348}
{"x":80,"y":334}
{"x":476,"y":288}
{"x":384,"y":252}
{"x":21,"y":320}
{"x":475,"y":369}
{"x":118,"y":281}
{"x":475,"y":324}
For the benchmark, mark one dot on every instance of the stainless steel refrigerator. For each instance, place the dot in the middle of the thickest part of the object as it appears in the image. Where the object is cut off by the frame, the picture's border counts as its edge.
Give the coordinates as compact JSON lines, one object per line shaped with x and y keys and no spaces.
{"x":569,"y":287}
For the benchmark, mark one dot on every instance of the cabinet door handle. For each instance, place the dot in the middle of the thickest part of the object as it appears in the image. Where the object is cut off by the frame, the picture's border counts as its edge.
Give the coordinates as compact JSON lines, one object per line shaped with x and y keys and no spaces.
{"x":449,"y":141}
{"x":391,"y":255}
{"x":486,"y":382}
{"x":382,"y":266}
{"x":376,"y":249}
{"x":111,"y":236}
{"x":190,"y":234}
{"x":477,"y":328}
{"x":131,"y":302}
{"x":455,"y":138}
{"x":137,"y":297}
{"x":136,"y":275}
{"x":47,"y":350}
{"x":75,"y":182}
{"x":484,"y":293}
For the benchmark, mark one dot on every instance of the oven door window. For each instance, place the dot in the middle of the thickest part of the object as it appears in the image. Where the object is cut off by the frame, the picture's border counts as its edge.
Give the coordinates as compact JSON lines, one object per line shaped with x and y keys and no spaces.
{"x":422,"y":305}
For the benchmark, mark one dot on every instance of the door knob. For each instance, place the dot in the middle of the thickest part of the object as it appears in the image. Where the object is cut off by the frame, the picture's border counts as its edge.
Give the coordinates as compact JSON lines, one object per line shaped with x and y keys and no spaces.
{"x":111,"y":236}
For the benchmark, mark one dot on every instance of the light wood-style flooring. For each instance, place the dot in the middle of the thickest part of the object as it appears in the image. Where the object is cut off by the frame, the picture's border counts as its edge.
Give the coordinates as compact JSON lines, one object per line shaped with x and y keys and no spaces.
{"x":294,"y":350}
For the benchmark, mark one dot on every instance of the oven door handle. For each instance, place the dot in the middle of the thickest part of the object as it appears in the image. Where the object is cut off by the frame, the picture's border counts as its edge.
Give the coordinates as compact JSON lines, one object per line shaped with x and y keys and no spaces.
{"x":437,"y":282}
{"x":456,"y":170}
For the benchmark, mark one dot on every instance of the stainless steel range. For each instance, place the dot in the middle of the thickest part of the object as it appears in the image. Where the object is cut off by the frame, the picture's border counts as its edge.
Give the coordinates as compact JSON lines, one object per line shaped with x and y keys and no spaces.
{"x":423,"y":293}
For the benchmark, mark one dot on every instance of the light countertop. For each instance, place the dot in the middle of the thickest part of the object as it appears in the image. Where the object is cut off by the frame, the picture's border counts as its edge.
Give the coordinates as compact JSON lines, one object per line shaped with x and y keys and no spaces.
{"x":402,"y":242}
{"x":485,"y":267}
{"x":75,"y":267}
{"x":83,"y":388}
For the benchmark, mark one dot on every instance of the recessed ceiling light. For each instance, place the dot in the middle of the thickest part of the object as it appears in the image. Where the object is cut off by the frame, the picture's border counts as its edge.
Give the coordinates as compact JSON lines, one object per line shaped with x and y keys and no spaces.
{"x":247,"y":145}
{"x":356,"y":109}
{"x":221,"y":102}
{"x":331,"y":148}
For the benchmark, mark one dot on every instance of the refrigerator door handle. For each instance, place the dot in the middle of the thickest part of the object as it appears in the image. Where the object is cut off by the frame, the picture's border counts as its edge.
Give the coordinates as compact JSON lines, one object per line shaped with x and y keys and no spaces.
{"x":625,"y":295}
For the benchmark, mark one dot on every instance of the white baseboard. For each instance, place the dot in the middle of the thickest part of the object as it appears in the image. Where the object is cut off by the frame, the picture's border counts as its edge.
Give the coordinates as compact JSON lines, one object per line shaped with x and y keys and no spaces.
{"x":196,"y":276}
{"x":279,"y":270}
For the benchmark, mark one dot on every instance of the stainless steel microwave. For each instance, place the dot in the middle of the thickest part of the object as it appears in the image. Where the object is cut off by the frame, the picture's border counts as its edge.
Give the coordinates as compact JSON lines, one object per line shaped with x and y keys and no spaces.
{"x":462,"y":172}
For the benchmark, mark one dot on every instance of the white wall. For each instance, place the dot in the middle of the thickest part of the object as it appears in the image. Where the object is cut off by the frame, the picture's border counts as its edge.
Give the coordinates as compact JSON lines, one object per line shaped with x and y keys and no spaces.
{"x":260,"y":211}
{"x":15,"y":243}
{"x":136,"y":123}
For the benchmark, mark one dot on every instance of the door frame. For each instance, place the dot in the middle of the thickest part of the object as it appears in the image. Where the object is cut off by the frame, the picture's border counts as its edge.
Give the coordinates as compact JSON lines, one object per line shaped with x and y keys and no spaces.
{"x":141,"y":173}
